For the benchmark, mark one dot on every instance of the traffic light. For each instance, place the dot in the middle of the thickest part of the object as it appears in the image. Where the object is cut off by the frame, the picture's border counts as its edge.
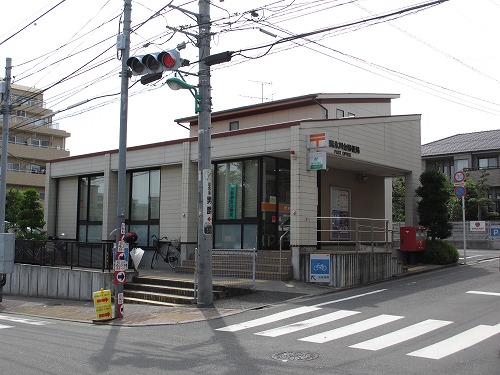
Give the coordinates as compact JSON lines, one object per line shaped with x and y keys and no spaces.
{"x":155,"y":62}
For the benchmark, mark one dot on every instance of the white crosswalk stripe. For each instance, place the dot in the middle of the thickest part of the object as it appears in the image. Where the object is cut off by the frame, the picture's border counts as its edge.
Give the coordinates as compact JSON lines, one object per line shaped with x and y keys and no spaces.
{"x":458,"y":342}
{"x":438,"y":350}
{"x":269,"y":319}
{"x":351,"y":329}
{"x":401,"y":335}
{"x":307,"y":323}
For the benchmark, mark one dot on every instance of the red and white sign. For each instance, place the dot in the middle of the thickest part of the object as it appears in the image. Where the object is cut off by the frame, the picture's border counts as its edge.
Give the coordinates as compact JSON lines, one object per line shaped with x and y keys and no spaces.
{"x":478,"y":226}
{"x":459,"y":177}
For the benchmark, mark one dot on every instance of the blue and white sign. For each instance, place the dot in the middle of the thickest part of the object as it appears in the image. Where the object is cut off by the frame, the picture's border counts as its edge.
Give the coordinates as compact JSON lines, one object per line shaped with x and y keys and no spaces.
{"x":319,"y":268}
{"x":495,"y":232}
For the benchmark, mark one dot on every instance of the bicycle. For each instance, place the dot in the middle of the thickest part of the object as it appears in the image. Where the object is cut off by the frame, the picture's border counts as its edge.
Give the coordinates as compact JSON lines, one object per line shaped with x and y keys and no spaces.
{"x":173,"y":254}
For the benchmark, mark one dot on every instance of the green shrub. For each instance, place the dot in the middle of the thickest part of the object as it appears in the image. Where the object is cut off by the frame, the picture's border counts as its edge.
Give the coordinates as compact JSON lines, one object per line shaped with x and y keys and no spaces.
{"x":439,"y":252}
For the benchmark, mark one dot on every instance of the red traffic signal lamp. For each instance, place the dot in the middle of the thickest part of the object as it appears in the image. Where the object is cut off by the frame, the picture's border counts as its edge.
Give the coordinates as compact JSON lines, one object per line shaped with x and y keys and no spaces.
{"x":156,"y":62}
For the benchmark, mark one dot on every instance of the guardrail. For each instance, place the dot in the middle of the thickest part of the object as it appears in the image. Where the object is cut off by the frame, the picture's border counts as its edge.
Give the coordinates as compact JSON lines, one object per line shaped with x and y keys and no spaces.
{"x":65,"y":253}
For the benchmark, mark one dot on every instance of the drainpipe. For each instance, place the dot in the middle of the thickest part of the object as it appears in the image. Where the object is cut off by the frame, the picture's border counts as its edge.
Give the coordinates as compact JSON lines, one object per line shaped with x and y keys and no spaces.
{"x":322,"y":106}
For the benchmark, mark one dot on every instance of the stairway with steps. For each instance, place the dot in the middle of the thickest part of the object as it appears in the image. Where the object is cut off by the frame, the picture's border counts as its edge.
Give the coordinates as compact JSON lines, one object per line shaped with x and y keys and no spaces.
{"x":267,"y":266}
{"x":168,"y":291}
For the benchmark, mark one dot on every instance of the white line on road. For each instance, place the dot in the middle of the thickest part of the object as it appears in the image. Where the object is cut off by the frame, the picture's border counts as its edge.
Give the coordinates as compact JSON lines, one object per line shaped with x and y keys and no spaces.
{"x":349,"y":298}
{"x":275,"y":332}
{"x":3,"y":326}
{"x":288,"y":314}
{"x":457,"y":342}
{"x":401,"y":335}
{"x":269,"y":319}
{"x":22,"y":320}
{"x":351,"y":329}
{"x":484,"y":293}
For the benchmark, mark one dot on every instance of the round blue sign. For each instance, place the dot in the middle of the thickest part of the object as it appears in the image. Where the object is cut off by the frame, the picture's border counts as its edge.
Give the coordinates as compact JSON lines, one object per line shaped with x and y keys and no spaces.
{"x":459,"y":191}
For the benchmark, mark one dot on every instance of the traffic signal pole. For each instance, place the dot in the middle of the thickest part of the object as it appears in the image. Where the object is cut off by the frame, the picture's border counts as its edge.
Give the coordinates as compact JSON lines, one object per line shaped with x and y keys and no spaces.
{"x":205,"y":228}
{"x":124,"y":47}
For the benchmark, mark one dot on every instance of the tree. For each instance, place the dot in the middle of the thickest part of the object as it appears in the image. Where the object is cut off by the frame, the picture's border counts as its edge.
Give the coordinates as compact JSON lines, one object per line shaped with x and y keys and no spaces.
{"x":12,"y":207}
{"x":24,"y":211}
{"x":434,"y":191}
{"x":398,"y":199}
{"x":481,"y":200}
{"x":476,"y":199}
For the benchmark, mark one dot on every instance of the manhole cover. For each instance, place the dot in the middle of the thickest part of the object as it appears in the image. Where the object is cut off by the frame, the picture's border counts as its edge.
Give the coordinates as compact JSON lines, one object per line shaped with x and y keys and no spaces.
{"x":295,"y":356}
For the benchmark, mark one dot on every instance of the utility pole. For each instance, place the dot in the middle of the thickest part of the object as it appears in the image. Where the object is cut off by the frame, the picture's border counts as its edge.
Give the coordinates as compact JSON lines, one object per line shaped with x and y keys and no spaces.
{"x":3,"y":173}
{"x":205,"y":228}
{"x":124,"y":47}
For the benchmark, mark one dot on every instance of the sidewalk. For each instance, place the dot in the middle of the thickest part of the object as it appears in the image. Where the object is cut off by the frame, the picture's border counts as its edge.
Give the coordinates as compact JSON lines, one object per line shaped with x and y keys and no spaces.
{"x":266,"y":292}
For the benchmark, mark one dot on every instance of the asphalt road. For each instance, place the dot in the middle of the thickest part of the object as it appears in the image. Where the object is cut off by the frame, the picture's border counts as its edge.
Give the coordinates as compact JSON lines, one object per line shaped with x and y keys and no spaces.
{"x":444,"y":322}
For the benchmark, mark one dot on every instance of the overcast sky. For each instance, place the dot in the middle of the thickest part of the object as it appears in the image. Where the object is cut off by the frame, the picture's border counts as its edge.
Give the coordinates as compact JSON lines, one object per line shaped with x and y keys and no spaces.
{"x":443,"y":60}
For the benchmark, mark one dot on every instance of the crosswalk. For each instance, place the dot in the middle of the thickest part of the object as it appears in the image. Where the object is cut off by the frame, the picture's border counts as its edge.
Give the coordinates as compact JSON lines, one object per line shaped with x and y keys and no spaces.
{"x":438,"y":350}
{"x":13,"y":320}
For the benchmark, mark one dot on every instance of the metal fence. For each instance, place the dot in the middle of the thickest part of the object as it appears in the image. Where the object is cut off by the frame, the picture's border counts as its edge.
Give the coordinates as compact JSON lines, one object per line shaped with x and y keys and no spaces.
{"x":65,"y":254}
{"x":475,"y":239}
{"x":232,"y":267}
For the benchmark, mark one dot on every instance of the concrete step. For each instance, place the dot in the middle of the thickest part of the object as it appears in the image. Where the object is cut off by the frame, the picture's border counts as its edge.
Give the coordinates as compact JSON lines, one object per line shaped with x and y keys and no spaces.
{"x":148,"y":297}
{"x":171,"y":291}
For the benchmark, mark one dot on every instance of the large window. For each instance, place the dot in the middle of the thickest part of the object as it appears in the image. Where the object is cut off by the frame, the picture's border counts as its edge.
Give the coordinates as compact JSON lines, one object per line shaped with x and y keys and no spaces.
{"x":236,"y":186}
{"x":143,"y":204}
{"x":485,"y":163}
{"x":461,"y":164}
{"x":90,"y":208}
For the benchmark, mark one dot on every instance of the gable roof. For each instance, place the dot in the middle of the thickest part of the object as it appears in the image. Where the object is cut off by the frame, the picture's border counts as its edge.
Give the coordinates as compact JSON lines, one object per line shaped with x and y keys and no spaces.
{"x":462,"y":143}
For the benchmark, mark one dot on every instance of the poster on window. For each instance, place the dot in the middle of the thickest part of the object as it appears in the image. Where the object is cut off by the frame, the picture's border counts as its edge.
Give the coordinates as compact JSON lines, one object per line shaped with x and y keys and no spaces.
{"x":340,"y":213}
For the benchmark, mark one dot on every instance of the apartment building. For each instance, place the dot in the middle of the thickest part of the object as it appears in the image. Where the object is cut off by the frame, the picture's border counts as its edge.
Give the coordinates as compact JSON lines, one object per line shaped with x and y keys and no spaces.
{"x":471,"y":152}
{"x":33,"y":139}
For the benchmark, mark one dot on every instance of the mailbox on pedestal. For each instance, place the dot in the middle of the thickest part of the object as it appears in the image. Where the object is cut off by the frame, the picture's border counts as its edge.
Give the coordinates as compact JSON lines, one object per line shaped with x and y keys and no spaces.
{"x":412,"y":238}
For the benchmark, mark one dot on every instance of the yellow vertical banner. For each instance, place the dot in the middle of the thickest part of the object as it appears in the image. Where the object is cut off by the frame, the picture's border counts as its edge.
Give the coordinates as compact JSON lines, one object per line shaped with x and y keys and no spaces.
{"x":102,"y":304}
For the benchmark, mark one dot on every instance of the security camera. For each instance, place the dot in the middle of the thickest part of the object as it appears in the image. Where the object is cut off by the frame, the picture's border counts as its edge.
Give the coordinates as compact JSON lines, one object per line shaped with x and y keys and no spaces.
{"x":362,"y":177}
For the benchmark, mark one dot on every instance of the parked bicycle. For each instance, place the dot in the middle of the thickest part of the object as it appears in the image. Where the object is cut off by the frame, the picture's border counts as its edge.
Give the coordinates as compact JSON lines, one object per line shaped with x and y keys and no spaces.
{"x":173,"y":254}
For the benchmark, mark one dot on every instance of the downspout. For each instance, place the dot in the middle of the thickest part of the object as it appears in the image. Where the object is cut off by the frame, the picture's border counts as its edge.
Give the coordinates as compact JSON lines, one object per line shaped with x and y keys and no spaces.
{"x":322,"y":106}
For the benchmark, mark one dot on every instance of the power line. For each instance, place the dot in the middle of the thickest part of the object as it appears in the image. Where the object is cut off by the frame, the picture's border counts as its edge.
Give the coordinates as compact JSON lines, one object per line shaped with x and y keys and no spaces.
{"x":32,"y":22}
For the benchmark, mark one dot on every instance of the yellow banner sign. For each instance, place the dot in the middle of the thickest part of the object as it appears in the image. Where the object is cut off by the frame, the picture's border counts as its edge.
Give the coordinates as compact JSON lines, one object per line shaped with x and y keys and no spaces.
{"x":102,"y":304}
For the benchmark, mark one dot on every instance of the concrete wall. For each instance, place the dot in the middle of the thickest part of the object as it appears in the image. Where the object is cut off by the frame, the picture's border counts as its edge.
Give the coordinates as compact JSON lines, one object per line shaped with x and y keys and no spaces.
{"x":62,"y":283}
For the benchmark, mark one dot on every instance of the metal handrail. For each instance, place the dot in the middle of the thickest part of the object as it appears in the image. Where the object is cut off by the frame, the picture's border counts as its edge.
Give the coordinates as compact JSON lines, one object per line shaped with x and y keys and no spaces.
{"x":281,"y":243}
{"x":357,"y":227}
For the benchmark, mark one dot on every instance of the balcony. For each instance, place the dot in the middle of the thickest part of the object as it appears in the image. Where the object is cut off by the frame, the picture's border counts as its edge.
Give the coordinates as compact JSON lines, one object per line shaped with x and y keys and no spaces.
{"x":493,"y":178}
{"x":31,"y":122}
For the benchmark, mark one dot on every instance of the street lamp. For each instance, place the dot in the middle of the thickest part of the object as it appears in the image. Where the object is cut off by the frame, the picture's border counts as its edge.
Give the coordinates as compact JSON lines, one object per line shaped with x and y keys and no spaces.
{"x":178,"y":84}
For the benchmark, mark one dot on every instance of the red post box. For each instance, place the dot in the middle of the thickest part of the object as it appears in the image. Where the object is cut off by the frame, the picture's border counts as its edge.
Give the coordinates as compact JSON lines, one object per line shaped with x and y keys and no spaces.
{"x":412,"y":238}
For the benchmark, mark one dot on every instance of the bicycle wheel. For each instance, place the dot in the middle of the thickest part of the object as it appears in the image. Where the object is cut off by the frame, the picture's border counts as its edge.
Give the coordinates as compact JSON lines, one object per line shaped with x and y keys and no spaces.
{"x":154,"y":260}
{"x":173,"y":257}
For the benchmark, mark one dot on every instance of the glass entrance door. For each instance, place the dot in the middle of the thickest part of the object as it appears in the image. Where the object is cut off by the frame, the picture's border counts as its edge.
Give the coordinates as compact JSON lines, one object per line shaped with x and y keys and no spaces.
{"x":275,"y":203}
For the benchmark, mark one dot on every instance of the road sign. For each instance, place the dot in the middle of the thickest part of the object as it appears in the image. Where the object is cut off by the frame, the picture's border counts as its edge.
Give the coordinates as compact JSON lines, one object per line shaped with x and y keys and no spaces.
{"x":102,"y":304}
{"x":459,"y":176}
{"x":459,"y":191}
{"x":120,"y":277}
